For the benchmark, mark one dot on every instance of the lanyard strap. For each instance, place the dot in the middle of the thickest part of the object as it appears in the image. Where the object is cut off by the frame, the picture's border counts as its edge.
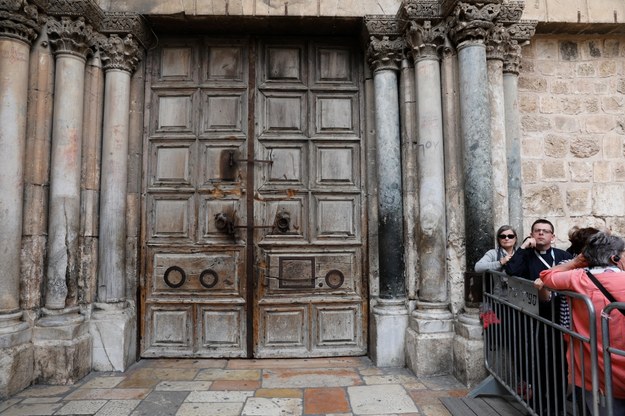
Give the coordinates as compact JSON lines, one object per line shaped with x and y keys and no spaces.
{"x":543,"y":260}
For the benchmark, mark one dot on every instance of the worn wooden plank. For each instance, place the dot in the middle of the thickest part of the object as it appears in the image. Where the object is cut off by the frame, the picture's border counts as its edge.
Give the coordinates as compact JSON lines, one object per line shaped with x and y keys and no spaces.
{"x":457,"y":407}
{"x":489,"y":406}
{"x":504,"y":407}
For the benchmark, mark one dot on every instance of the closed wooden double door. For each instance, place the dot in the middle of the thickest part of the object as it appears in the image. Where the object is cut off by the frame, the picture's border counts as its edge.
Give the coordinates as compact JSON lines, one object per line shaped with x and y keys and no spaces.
{"x":254,"y":220}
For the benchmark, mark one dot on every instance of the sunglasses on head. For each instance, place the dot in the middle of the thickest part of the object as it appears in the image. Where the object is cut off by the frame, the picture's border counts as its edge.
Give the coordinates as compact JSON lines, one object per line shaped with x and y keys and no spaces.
{"x":506,"y":236}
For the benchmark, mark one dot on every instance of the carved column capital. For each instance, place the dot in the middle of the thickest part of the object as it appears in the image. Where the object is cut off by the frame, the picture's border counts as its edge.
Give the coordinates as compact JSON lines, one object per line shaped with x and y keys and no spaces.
{"x":21,"y":19}
{"x":118,"y":53}
{"x":496,"y":42}
{"x":519,"y":34}
{"x":425,"y":40}
{"x":472,"y":21}
{"x":71,"y":35}
{"x":385,"y":53}
{"x":386,"y":46}
{"x":123,"y":24}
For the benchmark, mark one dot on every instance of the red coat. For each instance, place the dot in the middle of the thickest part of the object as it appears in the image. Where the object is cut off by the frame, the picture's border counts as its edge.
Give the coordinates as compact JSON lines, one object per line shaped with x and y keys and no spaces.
{"x":577,"y":281}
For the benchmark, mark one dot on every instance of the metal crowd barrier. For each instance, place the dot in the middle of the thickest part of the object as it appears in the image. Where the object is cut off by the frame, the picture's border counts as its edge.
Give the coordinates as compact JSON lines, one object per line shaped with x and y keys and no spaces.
{"x":526,"y":347}
{"x":608,"y":350}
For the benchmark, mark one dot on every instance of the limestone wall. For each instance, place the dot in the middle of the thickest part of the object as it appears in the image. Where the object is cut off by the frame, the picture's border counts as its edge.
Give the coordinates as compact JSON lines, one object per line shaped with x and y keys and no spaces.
{"x":578,"y":11}
{"x":572,"y":105}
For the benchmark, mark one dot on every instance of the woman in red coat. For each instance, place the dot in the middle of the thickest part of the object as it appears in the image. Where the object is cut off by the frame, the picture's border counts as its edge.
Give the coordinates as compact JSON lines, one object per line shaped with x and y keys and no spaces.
{"x":604,"y":257}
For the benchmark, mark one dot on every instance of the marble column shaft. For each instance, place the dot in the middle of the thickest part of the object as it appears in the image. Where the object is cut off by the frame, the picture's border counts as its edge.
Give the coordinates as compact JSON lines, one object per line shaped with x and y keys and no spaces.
{"x":408,"y":104}
{"x":37,"y":173}
{"x":431,"y":167}
{"x":64,"y":220}
{"x":111,"y":275}
{"x":14,"y":67}
{"x":513,"y":150}
{"x":90,"y":183}
{"x":475,"y":130}
{"x":498,"y":140}
{"x":390,"y":208}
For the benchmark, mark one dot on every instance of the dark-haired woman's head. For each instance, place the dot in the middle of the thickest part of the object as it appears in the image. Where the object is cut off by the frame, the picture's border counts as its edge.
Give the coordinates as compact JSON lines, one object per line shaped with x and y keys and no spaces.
{"x":506,"y":236}
{"x":604,"y":250}
{"x":579,"y":237}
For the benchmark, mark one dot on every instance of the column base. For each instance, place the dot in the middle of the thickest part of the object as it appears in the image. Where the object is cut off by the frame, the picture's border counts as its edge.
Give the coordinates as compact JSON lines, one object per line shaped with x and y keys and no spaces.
{"x":113,"y":328}
{"x":16,"y":355}
{"x":62,"y":347}
{"x":429,"y":340}
{"x":469,"y":348}
{"x":388,"y":330}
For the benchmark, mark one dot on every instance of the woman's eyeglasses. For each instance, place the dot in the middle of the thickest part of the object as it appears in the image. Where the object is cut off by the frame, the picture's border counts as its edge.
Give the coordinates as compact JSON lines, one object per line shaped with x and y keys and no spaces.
{"x":506,"y":236}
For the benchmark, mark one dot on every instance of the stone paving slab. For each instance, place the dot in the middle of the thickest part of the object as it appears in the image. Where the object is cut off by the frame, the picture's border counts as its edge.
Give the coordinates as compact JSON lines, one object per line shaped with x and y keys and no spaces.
{"x":349,"y":386}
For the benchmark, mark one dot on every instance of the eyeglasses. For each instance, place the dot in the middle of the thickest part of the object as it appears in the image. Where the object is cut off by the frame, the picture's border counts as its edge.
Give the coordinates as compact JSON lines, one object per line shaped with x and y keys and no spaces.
{"x":538,"y":231}
{"x":506,"y":236}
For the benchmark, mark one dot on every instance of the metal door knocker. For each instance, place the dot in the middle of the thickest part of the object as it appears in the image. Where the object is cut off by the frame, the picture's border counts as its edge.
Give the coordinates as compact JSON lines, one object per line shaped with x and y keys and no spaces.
{"x":182,"y":276}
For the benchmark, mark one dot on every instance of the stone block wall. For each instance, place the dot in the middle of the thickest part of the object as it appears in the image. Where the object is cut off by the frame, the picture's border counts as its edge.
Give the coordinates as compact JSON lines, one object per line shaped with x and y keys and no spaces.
{"x":572,"y":106}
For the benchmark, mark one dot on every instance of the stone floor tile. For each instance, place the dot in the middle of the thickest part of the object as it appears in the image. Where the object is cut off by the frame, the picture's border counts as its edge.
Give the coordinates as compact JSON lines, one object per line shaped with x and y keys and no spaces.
{"x":434,"y":410}
{"x":209,"y":409}
{"x":380,"y":399}
{"x":320,"y":377}
{"x":160,"y":403}
{"x":299,"y":363}
{"x":389,"y":379}
{"x":218,"y":374}
{"x":235,"y":385}
{"x":102,"y":383}
{"x":442,"y":383}
{"x":81,"y":407}
{"x":285,"y":393}
{"x":261,"y":406}
{"x":118,"y":408}
{"x":428,"y":397}
{"x":218,"y":396}
{"x":183,"y":385}
{"x":8,"y":403}
{"x":187,"y":363}
{"x":325,"y":400}
{"x":44,"y":391}
{"x":32,"y":409}
{"x":34,"y":400}
{"x":110,"y":394}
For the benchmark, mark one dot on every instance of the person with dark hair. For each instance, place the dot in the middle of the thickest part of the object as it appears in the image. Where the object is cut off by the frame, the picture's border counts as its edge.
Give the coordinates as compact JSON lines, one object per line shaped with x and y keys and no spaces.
{"x":533,"y":256}
{"x":496,"y":258}
{"x":603,"y":257}
{"x":578,"y":238}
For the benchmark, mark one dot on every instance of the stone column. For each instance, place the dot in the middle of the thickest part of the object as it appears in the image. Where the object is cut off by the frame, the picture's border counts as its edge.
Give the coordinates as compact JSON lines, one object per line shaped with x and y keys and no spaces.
{"x":90,"y":179}
{"x":408,"y":108}
{"x":389,"y":314}
{"x":494,"y":55}
{"x":519,"y":33}
{"x":428,"y":340}
{"x":61,"y":337}
{"x":18,"y":28}
{"x":113,"y":325}
{"x":471,"y":23}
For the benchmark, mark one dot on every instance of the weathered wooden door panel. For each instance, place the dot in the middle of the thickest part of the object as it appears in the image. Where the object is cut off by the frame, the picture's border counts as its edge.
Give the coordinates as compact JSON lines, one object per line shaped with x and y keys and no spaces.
{"x":293,"y":115}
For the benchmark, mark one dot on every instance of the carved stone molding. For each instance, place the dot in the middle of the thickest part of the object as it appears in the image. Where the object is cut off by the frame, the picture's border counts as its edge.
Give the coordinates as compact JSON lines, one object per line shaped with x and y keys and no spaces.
{"x":496,"y":42}
{"x":424,"y":41}
{"x":471,"y":21}
{"x":382,"y":25}
{"x":73,"y":36}
{"x":87,"y":9}
{"x":118,"y":53}
{"x":122,"y":24}
{"x":419,"y":11}
{"x":21,"y":19}
{"x":522,"y":31}
{"x":385,"y":53}
{"x":511,"y":12}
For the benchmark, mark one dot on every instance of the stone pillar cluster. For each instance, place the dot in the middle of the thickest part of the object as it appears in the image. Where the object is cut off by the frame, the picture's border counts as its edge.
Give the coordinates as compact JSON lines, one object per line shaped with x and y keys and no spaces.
{"x":463,"y":125}
{"x":53,"y":59}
